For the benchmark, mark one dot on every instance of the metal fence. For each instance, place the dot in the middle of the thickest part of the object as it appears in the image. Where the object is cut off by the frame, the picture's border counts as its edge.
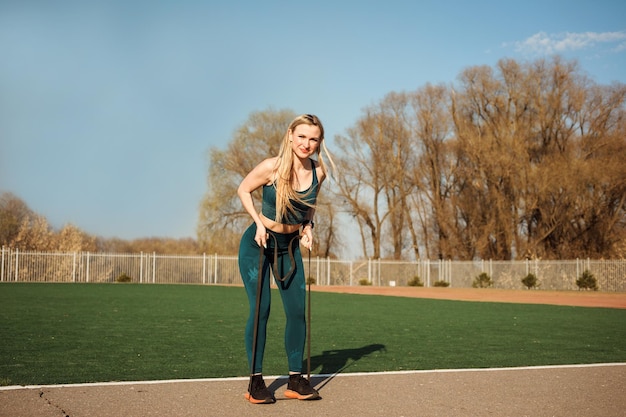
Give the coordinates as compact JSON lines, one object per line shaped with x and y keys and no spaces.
{"x":17,"y":266}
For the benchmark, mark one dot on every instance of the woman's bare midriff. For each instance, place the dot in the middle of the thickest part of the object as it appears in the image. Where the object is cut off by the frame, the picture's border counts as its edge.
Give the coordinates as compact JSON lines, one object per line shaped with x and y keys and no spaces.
{"x":278,"y":227}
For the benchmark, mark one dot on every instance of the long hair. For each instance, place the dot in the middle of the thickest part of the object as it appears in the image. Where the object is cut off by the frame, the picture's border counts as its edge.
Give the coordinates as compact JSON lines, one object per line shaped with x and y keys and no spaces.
{"x":285,"y":177}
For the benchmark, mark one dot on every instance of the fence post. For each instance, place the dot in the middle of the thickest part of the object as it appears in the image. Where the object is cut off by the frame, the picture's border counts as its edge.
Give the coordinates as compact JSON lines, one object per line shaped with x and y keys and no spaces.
{"x":74,"y":268}
{"x":215,"y":269}
{"x":439,"y":278}
{"x":442,"y":270}
{"x":17,"y":265}
{"x":153,"y":267}
{"x":2,"y":266}
{"x":203,"y":268}
{"x":350,"y":273}
{"x":328,"y":271}
{"x":87,"y":269}
{"x":526,"y":266}
{"x":141,"y":267}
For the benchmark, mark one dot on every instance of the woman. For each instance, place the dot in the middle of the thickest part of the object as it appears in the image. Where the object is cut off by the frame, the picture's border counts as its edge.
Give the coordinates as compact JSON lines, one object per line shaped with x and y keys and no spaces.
{"x":290,"y":183}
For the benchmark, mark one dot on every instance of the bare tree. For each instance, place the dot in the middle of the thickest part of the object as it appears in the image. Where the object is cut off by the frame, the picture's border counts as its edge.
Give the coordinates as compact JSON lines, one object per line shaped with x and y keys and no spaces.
{"x":598,"y":217}
{"x":433,"y":174}
{"x":13,"y":212}
{"x":72,"y":239}
{"x":35,"y":234}
{"x":576,"y":205}
{"x":489,"y":150}
{"x":536,"y":177}
{"x":359,"y":188}
{"x":375,"y":157}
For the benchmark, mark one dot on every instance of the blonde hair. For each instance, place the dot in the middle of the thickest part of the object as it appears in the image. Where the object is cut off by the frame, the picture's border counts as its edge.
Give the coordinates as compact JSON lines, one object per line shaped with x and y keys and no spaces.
{"x":285,"y":177}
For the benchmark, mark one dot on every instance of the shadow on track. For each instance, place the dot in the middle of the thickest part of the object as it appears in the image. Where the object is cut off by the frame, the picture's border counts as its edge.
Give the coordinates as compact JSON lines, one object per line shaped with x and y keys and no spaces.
{"x":332,"y":363}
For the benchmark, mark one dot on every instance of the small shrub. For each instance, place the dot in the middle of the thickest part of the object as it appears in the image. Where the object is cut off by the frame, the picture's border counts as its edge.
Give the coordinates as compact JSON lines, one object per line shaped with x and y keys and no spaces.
{"x":530,"y":281}
{"x":123,"y":278}
{"x":441,"y":283}
{"x":364,"y":281}
{"x":310,"y":281}
{"x":587,"y":281}
{"x":482,"y":281}
{"x":415,"y":282}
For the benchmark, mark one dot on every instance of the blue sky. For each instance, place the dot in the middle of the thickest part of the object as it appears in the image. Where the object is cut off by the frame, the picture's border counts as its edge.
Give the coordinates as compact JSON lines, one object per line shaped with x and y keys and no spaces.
{"x":108,"y":108}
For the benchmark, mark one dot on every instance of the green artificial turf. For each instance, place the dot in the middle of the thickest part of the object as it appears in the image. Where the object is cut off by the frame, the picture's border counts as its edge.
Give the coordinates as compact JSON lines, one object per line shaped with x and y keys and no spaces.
{"x":71,"y":333}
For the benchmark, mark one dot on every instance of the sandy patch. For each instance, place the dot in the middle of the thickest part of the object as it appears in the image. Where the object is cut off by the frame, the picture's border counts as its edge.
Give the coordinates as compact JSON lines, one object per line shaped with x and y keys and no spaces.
{"x":568,"y":298}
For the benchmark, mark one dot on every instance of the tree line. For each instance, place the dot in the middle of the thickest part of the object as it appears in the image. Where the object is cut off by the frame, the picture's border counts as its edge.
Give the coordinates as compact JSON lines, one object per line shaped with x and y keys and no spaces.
{"x":24,"y":229}
{"x":523,"y":160}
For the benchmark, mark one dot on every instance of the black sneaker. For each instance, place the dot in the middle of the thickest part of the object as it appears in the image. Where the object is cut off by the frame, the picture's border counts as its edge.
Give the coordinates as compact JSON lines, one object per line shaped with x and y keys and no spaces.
{"x":258,"y":392}
{"x":300,"y":388}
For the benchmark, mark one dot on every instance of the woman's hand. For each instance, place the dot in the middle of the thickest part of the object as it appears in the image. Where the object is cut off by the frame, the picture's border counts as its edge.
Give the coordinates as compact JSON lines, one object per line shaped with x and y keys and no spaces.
{"x":260,"y":236}
{"x":307,"y":237}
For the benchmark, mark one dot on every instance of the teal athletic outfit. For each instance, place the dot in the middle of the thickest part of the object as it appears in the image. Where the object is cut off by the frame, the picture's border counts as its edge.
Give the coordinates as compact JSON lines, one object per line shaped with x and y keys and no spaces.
{"x":284,"y":258}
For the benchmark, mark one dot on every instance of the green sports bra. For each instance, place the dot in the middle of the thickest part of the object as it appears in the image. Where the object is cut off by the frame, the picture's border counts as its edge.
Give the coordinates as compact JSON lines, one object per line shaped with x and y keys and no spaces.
{"x":309,"y":196}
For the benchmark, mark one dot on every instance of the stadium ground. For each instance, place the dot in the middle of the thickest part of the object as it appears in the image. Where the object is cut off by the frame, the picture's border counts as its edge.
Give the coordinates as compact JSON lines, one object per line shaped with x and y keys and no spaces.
{"x":593,"y":390}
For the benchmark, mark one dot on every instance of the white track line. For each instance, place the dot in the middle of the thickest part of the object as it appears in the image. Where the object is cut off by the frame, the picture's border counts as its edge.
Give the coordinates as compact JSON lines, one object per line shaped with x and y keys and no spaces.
{"x":430,"y":371}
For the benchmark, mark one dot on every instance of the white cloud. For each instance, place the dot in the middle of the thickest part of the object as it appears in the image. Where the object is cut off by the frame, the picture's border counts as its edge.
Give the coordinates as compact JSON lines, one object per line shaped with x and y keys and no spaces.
{"x":546,"y":44}
{"x":621,"y":47}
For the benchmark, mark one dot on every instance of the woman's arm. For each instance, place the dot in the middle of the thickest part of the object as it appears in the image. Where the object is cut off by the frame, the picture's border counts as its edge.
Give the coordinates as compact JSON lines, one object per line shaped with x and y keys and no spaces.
{"x":258,"y":177}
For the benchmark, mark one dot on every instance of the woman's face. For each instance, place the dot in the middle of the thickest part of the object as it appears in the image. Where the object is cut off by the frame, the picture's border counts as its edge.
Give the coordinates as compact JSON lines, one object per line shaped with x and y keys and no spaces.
{"x":305,"y":140}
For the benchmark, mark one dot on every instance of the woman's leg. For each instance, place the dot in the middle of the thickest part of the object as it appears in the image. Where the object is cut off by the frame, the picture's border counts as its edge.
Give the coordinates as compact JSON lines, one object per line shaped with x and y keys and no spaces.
{"x":293,"y":295}
{"x":249,"y":269}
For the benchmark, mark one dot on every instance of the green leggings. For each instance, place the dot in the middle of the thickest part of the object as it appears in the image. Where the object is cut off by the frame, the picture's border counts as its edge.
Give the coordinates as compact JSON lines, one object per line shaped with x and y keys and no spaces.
{"x":292,"y":291}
